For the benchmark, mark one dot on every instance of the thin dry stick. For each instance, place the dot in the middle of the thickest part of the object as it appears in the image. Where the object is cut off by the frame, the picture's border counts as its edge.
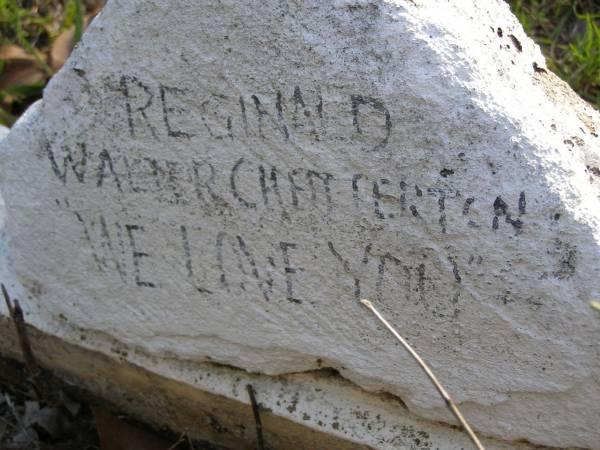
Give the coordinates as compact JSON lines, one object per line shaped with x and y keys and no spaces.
{"x":449,"y":402}
{"x":179,"y":441}
{"x":16,"y":314}
{"x":259,"y":436}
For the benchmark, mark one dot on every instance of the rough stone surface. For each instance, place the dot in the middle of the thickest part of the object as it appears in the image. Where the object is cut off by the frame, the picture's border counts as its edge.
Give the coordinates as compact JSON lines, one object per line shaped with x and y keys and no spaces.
{"x":225,"y":180}
{"x":311,"y":410}
{"x":3,"y":131}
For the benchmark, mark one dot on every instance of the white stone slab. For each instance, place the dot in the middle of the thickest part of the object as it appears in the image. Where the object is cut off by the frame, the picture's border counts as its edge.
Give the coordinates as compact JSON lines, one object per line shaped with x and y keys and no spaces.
{"x":225,"y":180}
{"x":3,"y":131}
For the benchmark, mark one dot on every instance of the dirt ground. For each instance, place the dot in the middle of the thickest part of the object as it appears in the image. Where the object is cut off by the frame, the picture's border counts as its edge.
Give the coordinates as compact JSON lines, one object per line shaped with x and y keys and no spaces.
{"x":48,"y":414}
{"x":28,"y":423}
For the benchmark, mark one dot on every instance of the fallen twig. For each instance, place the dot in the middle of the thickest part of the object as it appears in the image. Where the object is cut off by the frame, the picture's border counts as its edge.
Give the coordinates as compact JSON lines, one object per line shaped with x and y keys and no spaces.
{"x":183,"y":438}
{"x":179,"y":441}
{"x":449,"y":402}
{"x":259,"y":435}
{"x":16,"y":314}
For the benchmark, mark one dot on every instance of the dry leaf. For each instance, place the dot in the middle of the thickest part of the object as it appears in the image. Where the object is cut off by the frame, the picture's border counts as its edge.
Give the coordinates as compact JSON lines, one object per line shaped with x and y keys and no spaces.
{"x":18,"y":72}
{"x":26,"y":436}
{"x":16,"y":52}
{"x":21,"y":68}
{"x":61,"y":48}
{"x":63,"y":44}
{"x":11,"y":51}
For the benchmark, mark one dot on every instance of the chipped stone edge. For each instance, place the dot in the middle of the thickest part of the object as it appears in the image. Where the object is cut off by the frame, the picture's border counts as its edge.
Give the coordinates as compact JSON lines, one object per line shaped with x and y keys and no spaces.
{"x":317,"y":409}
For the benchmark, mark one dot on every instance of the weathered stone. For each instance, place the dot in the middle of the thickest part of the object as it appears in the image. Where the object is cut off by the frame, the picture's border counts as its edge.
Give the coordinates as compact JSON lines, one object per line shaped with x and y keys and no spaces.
{"x":3,"y":131}
{"x":224,"y":181}
{"x":315,"y":410}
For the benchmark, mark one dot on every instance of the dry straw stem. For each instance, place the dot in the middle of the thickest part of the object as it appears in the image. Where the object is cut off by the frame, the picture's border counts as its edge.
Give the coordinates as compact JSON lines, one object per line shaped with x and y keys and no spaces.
{"x":449,"y":402}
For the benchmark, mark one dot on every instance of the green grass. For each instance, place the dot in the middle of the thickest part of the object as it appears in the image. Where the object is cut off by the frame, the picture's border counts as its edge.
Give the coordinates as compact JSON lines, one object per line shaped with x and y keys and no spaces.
{"x":569,"y":34}
{"x":33,"y":25}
